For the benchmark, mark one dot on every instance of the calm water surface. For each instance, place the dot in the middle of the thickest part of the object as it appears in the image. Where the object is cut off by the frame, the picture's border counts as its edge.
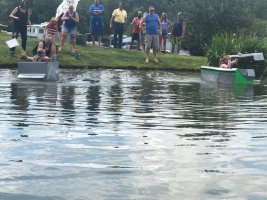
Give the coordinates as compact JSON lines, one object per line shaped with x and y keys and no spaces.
{"x":119,"y":135}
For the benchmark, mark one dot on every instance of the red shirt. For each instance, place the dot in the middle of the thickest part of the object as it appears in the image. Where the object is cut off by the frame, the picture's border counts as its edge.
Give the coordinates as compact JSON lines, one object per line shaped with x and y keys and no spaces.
{"x":136,"y":21}
{"x":51,"y":28}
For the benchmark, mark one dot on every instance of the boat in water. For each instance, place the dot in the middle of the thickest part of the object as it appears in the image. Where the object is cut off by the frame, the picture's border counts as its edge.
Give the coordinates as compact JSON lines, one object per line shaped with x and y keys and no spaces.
{"x":249,"y":70}
{"x":47,"y":71}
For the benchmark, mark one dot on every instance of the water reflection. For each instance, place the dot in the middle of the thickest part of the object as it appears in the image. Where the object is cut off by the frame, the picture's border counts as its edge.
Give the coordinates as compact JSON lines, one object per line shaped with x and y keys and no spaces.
{"x":67,"y":104}
{"x":93,"y":102}
{"x":19,"y":96}
{"x":138,"y":134}
{"x":41,"y":91}
{"x":115,"y":94}
{"x":23,"y":96}
{"x":227,"y":92}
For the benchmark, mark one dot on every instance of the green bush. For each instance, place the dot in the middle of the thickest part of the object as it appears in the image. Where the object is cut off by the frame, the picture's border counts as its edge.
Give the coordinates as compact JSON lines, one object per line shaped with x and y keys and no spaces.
{"x":226,"y":43}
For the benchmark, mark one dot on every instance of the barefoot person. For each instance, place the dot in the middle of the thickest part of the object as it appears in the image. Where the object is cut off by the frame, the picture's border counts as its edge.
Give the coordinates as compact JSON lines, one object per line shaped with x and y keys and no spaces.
{"x":153,"y":30}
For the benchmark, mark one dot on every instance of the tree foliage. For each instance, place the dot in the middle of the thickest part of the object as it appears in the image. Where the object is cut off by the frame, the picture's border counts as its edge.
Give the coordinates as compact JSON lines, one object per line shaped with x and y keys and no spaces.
{"x":209,"y":17}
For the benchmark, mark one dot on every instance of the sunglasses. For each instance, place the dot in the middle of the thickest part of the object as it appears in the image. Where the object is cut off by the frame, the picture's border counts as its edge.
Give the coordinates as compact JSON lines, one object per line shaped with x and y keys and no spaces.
{"x":152,"y":10}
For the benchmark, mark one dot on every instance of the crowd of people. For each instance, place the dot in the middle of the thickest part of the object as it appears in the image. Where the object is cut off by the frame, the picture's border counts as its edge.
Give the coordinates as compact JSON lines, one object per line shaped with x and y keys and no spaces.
{"x":150,"y":30}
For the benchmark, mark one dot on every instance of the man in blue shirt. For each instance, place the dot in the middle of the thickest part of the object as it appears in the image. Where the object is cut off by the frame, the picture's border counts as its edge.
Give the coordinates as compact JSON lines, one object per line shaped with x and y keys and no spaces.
{"x":96,"y":21}
{"x":153,"y":30}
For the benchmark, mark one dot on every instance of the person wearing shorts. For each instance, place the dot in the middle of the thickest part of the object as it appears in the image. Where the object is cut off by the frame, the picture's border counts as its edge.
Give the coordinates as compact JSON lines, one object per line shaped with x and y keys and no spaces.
{"x":165,"y":24}
{"x":153,"y":30}
{"x":70,"y":20}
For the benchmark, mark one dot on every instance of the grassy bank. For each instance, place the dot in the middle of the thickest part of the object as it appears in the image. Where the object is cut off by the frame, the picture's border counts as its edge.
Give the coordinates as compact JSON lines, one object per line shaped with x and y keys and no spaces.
{"x":96,"y":57}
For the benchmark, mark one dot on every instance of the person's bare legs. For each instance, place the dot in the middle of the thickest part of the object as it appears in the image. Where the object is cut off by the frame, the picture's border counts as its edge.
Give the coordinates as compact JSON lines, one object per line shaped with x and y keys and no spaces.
{"x":160,"y":42}
{"x":164,"y":44}
{"x":63,"y":38}
{"x":147,"y":54}
{"x":143,"y":48}
{"x":155,"y":52}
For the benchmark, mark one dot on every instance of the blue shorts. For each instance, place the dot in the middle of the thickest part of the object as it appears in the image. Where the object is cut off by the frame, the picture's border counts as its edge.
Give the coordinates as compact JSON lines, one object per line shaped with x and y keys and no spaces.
{"x":71,"y":31}
{"x":96,"y":27}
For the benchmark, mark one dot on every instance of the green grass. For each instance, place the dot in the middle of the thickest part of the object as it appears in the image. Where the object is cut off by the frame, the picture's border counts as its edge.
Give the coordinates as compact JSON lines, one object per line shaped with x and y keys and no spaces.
{"x":96,"y":57}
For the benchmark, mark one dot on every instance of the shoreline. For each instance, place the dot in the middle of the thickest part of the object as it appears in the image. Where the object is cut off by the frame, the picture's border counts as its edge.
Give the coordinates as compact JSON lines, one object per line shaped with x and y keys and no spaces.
{"x":14,"y":66}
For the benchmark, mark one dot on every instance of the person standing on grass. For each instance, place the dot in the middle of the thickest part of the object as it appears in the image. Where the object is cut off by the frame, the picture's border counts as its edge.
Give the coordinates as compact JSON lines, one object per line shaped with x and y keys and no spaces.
{"x":59,"y":26}
{"x":70,"y":20}
{"x":21,"y":18}
{"x":165,"y":24}
{"x":178,"y":32}
{"x":153,"y":30}
{"x":96,"y":21}
{"x":136,"y":30}
{"x":142,"y":33}
{"x":117,"y":22}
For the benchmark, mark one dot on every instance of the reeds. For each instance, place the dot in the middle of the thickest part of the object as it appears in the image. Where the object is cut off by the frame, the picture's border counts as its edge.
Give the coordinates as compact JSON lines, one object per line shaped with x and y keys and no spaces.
{"x":229,"y":44}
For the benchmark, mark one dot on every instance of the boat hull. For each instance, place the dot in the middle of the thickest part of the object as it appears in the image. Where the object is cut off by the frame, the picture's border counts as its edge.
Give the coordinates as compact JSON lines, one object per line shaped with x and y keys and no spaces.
{"x":47,"y":71}
{"x":230,"y":76}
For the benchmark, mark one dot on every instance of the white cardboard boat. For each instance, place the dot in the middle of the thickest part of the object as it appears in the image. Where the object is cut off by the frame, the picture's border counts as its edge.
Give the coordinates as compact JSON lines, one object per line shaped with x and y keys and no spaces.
{"x":47,"y":71}
{"x":249,"y":70}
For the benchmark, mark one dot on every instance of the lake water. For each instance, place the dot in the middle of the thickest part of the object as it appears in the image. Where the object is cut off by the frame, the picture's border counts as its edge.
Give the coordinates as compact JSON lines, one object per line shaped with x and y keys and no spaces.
{"x":130,"y":135}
